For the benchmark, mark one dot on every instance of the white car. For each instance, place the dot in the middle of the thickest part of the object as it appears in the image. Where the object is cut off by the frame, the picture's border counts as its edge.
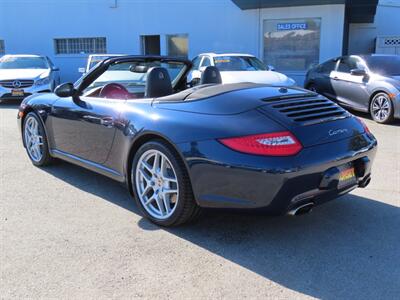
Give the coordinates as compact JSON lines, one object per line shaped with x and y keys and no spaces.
{"x":23,"y":75}
{"x":237,"y":67}
{"x":94,"y":59}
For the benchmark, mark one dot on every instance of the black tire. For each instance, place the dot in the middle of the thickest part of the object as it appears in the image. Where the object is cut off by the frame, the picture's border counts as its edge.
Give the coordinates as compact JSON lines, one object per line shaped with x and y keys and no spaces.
{"x":186,"y":209}
{"x":46,"y":159}
{"x":389,"y":116}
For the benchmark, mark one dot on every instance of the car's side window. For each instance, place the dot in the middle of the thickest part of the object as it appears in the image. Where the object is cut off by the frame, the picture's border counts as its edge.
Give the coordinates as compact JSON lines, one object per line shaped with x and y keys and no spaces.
{"x":328,"y":67}
{"x":206,"y":62}
{"x":196,"y":63}
{"x":346,"y":64}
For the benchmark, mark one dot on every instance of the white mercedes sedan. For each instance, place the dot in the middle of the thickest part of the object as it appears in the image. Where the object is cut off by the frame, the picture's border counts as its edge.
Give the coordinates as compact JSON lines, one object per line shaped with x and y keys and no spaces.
{"x":237,"y":67}
{"x":23,"y":75}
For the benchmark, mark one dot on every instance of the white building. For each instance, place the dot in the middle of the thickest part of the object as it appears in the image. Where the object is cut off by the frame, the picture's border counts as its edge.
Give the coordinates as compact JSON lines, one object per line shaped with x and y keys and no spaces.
{"x":288,"y":34}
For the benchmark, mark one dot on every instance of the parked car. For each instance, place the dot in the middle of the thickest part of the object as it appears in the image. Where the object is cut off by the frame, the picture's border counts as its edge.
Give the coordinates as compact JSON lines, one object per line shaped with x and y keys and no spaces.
{"x":368,"y":83}
{"x":236,"y":67}
{"x":23,"y":75}
{"x":242,"y":145}
{"x":94,"y":59}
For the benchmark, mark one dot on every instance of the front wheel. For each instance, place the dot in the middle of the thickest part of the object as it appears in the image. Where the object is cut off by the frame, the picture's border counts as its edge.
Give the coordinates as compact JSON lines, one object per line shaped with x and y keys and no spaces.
{"x":381,"y":108}
{"x":161,"y":185}
{"x":35,"y":140}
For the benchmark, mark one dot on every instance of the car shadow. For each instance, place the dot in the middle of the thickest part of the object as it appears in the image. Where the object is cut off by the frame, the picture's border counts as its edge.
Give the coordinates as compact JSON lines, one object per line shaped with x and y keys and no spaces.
{"x":395,"y":122}
{"x":346,"y":248}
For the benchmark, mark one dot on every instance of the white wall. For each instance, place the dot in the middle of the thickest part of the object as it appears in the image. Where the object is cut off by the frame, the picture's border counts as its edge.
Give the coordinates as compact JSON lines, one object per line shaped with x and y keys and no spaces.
{"x":29,"y":26}
{"x":332,"y":20}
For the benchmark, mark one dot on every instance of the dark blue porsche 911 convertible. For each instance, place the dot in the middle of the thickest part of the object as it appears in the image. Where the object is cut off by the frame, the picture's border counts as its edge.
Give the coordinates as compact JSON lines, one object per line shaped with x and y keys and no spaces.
{"x":180,"y":148}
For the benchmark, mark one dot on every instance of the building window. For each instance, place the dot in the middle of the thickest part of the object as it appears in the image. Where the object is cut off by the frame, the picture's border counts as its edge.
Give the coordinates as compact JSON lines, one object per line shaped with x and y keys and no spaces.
{"x":80,"y":45}
{"x":177,"y":45}
{"x":292,"y":44}
{"x":2,"y":47}
{"x":150,"y":44}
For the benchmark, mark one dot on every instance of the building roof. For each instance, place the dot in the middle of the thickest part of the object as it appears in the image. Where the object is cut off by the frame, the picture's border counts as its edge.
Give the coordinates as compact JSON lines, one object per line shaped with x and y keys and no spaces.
{"x":357,"y":11}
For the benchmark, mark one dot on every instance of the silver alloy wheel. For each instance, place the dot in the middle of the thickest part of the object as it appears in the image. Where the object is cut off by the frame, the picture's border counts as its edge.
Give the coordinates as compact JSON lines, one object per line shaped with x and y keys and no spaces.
{"x":381,"y":108}
{"x":33,"y":139}
{"x":157,"y":184}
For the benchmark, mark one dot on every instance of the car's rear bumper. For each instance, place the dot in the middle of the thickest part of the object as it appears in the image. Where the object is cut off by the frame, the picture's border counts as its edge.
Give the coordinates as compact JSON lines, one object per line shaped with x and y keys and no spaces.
{"x":222,"y":178}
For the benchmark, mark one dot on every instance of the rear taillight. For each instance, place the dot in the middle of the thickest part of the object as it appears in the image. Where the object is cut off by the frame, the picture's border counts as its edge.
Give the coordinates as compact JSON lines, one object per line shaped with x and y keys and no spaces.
{"x":363,"y":125}
{"x":270,"y":144}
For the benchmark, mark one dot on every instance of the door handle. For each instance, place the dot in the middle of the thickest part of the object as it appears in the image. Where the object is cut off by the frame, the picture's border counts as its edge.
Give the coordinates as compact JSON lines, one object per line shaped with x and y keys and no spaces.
{"x":107,"y":121}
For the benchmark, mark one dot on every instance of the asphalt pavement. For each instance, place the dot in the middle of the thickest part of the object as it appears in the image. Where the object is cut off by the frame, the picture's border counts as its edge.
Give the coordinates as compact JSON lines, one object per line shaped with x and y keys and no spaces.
{"x":68,"y":233}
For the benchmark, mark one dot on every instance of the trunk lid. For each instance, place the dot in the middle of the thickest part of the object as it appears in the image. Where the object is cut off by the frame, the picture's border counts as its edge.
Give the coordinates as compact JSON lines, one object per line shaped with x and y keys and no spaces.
{"x":313,"y":119}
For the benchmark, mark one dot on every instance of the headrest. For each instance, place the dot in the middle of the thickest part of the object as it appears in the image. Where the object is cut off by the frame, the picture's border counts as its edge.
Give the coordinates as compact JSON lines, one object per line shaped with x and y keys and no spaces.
{"x":211,"y":74}
{"x":158,"y":83}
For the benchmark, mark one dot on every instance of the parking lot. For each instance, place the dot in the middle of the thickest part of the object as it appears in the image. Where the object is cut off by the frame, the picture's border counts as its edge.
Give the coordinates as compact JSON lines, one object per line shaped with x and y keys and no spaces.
{"x":70,"y":233}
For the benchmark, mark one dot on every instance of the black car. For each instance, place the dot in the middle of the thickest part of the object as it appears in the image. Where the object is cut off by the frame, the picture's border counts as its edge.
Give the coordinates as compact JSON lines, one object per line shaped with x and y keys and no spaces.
{"x":178,"y":149}
{"x":368,"y":83}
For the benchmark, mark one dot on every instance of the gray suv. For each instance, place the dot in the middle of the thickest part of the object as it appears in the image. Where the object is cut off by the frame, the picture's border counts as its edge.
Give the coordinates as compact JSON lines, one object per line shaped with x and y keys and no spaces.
{"x":368,"y":83}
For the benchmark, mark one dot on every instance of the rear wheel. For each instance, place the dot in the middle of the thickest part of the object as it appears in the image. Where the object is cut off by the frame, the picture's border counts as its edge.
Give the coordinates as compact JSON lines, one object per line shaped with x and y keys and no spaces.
{"x":381,"y":108}
{"x":35,"y":140}
{"x":161,"y":185}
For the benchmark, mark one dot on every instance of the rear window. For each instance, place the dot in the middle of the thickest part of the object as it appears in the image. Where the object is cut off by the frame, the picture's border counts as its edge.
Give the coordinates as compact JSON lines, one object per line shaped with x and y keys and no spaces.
{"x":385,"y":65}
{"x":238,"y":63}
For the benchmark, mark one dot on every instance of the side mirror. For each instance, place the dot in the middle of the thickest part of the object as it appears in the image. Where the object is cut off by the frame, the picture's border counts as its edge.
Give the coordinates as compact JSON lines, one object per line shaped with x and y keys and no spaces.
{"x":270,"y":68}
{"x":81,"y":70}
{"x":65,"y":90}
{"x":358,"y":72}
{"x":195,"y":81}
{"x":201,"y":69}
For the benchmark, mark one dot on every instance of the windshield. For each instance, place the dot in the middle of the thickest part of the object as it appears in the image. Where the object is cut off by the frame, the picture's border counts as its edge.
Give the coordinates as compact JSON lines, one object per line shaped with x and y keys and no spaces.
{"x":15,"y":62}
{"x":384,"y":65}
{"x":239,"y":63}
{"x":94,"y":60}
{"x":132,"y":75}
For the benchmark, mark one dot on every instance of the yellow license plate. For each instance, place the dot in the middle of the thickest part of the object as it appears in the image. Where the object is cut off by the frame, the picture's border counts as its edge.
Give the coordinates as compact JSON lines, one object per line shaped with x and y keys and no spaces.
{"x":347,"y":175}
{"x":17,"y":93}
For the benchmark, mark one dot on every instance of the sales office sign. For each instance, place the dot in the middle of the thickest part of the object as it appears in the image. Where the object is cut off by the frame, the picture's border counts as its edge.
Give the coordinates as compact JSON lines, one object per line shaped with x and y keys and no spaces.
{"x":291,"y":26}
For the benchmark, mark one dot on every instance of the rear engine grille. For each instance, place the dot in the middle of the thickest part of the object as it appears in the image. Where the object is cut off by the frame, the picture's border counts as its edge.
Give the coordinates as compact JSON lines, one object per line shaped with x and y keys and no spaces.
{"x":306,"y":110}
{"x":16,"y":83}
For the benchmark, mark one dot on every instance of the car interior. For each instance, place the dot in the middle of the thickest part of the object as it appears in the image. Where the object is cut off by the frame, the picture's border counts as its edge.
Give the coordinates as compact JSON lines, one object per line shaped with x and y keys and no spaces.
{"x":157,"y":84}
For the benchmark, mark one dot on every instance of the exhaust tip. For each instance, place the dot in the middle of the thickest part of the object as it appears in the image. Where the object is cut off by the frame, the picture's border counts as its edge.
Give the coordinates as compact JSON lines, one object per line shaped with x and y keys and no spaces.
{"x":301,"y":209}
{"x":365,"y":182}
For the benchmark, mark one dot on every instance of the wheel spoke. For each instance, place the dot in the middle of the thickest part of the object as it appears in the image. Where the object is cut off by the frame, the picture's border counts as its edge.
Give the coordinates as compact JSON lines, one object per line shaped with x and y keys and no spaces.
{"x":145,"y":176}
{"x":169,"y":179}
{"x":146,"y":190}
{"x":160,"y":204}
{"x":147,"y":166}
{"x":156,"y":163}
{"x":170,"y":191}
{"x":151,"y":199}
{"x":162,"y":166}
{"x":167,"y":204}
